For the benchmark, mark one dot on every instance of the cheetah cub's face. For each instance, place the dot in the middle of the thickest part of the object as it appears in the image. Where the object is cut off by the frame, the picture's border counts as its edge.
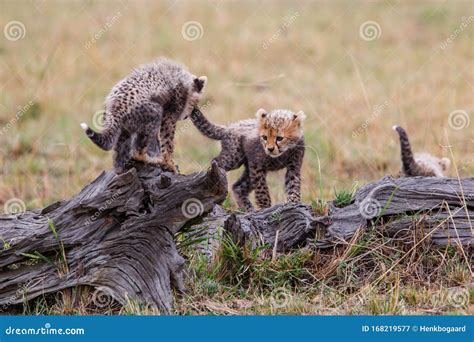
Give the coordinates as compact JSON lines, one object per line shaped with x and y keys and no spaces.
{"x":280,"y":130}
{"x":194,"y":95}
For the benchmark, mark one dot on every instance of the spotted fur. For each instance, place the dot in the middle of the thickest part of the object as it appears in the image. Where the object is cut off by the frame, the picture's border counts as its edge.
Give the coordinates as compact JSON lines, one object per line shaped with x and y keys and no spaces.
{"x":141,"y":113}
{"x":419,"y":164}
{"x":271,"y":142}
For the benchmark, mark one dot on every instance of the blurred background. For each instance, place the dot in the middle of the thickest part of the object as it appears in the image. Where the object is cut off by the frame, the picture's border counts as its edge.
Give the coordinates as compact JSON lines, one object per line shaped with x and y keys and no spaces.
{"x":355,"y":68}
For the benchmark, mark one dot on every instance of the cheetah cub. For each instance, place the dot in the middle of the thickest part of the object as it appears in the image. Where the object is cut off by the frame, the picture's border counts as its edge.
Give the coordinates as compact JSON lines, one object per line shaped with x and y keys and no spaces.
{"x":420,"y":164}
{"x":141,"y":113}
{"x":271,"y":142}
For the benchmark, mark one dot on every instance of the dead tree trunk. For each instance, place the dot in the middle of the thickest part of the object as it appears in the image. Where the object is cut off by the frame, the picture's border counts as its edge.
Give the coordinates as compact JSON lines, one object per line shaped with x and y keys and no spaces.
{"x":444,"y":208}
{"x":116,"y":234}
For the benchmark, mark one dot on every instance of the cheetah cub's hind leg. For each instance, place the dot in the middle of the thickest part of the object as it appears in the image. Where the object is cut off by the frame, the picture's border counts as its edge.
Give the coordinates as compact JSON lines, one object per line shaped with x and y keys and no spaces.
{"x":242,"y":189}
{"x":122,"y":152}
{"x":145,"y":146}
{"x":144,"y":141}
{"x":259,"y":185}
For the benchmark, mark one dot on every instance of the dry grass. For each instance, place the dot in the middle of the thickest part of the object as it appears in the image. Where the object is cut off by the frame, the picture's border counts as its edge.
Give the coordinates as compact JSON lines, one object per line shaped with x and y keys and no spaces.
{"x":370,"y":275}
{"x":352,"y":91}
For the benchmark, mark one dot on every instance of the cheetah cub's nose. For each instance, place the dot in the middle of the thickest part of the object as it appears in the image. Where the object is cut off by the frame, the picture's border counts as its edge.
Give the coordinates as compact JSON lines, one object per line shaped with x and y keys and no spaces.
{"x":271,"y":149}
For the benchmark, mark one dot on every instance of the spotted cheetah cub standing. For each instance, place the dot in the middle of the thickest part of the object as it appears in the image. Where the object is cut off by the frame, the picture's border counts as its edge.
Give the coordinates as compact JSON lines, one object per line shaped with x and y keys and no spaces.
{"x":141,"y":113}
{"x":271,"y":142}
{"x":420,"y":164}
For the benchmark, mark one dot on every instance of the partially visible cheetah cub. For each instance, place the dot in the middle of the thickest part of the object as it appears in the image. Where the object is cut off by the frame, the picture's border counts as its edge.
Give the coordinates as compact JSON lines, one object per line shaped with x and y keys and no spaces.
{"x":141,"y":113}
{"x":420,"y":164}
{"x":271,"y":142}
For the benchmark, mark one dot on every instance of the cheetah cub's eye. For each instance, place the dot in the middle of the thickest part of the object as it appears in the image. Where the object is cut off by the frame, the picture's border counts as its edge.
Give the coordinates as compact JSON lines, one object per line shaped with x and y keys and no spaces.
{"x":279,"y":138}
{"x":264,"y":137}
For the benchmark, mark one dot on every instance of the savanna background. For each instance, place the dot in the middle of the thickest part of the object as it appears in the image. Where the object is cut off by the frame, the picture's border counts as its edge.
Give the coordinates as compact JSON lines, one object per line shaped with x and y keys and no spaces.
{"x":354,"y":67}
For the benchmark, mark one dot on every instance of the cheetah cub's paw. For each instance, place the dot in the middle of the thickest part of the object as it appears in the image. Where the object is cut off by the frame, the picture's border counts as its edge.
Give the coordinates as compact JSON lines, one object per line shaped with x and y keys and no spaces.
{"x":145,"y":158}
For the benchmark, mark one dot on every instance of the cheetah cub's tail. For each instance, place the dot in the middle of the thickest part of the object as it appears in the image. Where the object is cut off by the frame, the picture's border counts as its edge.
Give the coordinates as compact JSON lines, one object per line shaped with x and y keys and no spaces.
{"x":106,"y":139}
{"x":206,"y":127}
{"x":408,"y":161}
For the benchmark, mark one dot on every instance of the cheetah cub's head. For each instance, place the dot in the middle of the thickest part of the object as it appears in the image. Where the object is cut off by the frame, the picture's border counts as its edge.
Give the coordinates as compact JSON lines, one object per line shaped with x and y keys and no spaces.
{"x":280,"y":130}
{"x":195,"y":91}
{"x":444,"y":164}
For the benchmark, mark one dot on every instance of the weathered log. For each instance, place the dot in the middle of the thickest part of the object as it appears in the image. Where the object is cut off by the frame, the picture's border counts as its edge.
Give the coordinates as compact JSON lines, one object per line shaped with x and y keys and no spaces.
{"x":117,"y":234}
{"x":284,"y":225}
{"x":443,"y":207}
{"x":401,"y":201}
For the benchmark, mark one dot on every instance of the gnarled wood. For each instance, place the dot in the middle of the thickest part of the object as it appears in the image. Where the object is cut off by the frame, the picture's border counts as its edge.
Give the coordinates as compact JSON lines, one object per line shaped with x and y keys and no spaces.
{"x":404,"y":200}
{"x":443,"y":207}
{"x":284,"y":225}
{"x":116,"y":234}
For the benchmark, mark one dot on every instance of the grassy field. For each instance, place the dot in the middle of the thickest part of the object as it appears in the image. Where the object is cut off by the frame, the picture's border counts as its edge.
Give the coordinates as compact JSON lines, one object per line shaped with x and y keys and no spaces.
{"x":354,"y":68}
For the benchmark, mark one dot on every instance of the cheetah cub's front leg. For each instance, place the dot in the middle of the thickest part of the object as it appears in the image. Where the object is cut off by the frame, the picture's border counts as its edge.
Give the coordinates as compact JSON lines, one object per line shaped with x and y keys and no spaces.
{"x":293,"y":178}
{"x":293,"y":185}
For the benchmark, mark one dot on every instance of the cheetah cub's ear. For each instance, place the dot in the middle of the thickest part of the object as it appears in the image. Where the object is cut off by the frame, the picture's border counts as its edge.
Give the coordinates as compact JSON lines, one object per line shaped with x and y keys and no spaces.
{"x":261,"y":114}
{"x":199,"y":83}
{"x":300,"y":116}
{"x":445,"y":164}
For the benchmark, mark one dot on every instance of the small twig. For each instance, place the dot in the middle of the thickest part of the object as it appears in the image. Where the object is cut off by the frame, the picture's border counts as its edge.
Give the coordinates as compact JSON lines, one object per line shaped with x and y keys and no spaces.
{"x":275,"y":246}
